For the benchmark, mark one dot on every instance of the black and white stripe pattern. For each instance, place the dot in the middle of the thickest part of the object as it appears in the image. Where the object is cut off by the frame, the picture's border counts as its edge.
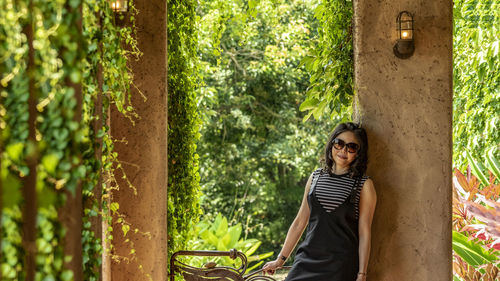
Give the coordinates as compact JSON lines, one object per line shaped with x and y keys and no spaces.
{"x":332,"y":191}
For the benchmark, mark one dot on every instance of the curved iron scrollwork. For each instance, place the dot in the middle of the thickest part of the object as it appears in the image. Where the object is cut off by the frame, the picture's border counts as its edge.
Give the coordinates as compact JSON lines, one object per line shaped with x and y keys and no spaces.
{"x":211,"y":271}
{"x":257,"y":275}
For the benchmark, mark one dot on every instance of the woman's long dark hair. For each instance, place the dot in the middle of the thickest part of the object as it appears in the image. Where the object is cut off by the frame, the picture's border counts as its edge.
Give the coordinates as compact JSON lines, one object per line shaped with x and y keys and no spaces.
{"x":358,"y":166}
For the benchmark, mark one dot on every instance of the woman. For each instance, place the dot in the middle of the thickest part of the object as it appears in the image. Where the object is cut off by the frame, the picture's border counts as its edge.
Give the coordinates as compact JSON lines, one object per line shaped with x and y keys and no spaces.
{"x":337,"y":208}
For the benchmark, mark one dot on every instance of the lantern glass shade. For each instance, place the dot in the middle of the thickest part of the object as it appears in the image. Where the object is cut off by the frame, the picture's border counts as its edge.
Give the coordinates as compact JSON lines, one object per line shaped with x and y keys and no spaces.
{"x":405,"y":46}
{"x":119,"y":6}
{"x":405,"y":26}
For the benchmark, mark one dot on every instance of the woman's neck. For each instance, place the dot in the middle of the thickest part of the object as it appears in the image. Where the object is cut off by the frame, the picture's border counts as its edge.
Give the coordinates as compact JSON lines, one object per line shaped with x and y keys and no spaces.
{"x":339,"y":170}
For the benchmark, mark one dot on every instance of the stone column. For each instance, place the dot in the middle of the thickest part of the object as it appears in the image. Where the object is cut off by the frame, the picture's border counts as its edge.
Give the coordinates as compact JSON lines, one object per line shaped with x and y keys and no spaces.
{"x":406,"y":107}
{"x":144,"y":155}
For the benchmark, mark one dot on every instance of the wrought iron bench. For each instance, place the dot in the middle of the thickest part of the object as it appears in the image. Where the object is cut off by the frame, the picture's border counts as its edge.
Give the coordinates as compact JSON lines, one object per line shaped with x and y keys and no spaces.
{"x":211,"y":271}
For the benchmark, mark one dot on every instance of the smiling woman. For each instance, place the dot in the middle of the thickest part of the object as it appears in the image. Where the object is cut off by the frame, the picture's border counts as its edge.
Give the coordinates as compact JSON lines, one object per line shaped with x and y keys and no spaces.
{"x":346,"y":150}
{"x":338,"y":205}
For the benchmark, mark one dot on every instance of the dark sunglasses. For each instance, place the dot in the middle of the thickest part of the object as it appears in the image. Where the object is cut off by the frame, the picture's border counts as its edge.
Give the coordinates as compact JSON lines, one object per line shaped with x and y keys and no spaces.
{"x":340,"y":144}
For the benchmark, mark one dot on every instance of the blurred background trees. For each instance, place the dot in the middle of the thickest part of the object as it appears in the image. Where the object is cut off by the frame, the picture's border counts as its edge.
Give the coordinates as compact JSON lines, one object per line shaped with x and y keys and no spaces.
{"x":256,"y":154}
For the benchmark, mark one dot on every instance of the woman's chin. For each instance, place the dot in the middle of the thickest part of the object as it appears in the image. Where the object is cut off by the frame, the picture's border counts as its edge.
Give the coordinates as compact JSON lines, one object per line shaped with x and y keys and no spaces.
{"x":341,"y":161}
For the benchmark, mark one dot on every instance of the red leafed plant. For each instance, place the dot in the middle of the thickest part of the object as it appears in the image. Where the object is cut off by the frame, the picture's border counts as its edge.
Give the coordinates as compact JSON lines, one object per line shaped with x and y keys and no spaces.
{"x":476,"y":216}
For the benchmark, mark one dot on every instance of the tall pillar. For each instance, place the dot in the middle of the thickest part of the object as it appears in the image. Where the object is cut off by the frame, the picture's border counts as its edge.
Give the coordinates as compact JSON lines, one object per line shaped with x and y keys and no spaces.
{"x":406,"y":107}
{"x":144,"y":155}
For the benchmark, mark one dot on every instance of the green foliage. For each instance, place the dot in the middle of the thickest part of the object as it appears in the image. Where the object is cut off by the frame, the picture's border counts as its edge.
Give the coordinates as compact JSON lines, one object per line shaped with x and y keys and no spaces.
{"x":471,"y":252}
{"x":493,"y":163}
{"x":49,"y":234}
{"x":330,"y":62}
{"x":476,"y":170}
{"x":256,"y":154}
{"x":50,"y":257}
{"x":219,"y":235}
{"x":11,"y":265}
{"x":476,"y":78}
{"x":183,"y":123}
{"x":65,"y":55}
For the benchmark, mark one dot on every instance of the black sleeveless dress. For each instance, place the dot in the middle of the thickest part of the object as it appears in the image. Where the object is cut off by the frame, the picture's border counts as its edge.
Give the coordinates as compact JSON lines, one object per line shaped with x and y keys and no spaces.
{"x":330,"y":249}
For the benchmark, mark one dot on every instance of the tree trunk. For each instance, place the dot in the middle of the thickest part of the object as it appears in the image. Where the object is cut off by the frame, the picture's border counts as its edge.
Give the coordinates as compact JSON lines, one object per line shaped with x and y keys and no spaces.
{"x":29,"y":187}
{"x":1,"y":185}
{"x":97,"y":125}
{"x":71,"y":212}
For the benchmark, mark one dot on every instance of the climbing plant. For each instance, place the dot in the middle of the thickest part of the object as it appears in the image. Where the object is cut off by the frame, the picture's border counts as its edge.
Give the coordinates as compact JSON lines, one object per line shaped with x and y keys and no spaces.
{"x":476,"y":79}
{"x":330,"y":63}
{"x":183,"y":123}
{"x":73,"y":43}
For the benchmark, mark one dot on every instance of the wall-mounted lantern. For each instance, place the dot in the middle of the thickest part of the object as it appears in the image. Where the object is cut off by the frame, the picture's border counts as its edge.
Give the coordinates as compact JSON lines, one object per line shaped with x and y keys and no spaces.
{"x":405,"y":45}
{"x":119,"y":6}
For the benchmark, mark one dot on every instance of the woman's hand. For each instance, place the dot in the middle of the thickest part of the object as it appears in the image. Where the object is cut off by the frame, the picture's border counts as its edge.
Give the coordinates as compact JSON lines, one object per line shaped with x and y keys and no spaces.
{"x":361,"y":277}
{"x":270,"y":267}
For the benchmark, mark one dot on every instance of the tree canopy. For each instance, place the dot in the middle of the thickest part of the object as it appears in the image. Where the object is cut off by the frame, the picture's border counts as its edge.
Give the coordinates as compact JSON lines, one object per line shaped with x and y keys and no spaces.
{"x":256,"y":154}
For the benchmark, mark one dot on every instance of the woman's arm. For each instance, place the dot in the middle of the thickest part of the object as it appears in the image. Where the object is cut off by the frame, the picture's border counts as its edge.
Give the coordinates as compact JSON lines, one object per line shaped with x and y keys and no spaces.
{"x":294,"y":232}
{"x":367,"y":204}
{"x":299,"y":224}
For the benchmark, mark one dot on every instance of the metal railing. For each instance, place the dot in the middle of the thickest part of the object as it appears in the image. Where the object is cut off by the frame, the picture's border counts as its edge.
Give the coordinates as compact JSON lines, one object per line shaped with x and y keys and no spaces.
{"x":211,"y":271}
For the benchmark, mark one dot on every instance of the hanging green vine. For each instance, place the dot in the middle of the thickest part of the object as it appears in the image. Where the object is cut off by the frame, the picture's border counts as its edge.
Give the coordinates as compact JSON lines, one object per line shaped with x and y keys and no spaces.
{"x":65,"y":55}
{"x":330,"y":63}
{"x":183,"y":123}
{"x":13,"y":97}
{"x":109,"y":48}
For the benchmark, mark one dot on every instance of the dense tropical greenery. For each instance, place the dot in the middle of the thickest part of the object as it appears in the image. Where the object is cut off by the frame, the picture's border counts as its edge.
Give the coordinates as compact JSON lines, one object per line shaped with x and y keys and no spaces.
{"x":476,"y":122}
{"x":183,"y":123}
{"x":62,"y":65}
{"x":330,"y":62}
{"x":476,"y":79}
{"x":255,"y":152}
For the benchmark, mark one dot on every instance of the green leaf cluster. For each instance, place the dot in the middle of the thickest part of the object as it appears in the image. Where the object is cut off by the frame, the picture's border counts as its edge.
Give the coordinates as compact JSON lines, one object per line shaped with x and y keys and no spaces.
{"x":470,"y":251}
{"x":476,"y":78}
{"x":330,"y":62}
{"x":219,"y":235}
{"x":65,"y":55}
{"x":183,"y":123}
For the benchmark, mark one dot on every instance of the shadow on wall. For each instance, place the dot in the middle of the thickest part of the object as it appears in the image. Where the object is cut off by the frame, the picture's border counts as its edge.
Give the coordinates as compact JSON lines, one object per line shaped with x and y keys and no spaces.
{"x":387,"y":212}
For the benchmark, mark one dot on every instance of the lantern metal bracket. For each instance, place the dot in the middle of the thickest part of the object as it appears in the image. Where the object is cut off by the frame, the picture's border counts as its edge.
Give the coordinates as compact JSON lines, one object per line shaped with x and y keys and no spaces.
{"x":404,"y":49}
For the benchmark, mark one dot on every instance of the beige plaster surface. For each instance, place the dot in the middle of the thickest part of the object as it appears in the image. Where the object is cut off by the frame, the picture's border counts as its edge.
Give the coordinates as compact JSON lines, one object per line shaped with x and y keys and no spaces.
{"x":144,"y":156}
{"x":406,"y":108}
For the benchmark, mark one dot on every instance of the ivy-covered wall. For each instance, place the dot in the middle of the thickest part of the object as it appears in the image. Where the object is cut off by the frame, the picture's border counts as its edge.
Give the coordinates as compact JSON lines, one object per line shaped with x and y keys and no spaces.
{"x":71,"y":44}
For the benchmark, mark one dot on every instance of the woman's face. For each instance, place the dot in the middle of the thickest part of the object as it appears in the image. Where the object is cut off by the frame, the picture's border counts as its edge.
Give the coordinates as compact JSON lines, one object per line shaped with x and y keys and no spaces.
{"x":342,"y":157}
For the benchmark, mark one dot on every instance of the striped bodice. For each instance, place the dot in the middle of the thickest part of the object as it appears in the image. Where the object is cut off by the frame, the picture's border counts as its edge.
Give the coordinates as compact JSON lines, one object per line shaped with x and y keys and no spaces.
{"x":332,"y":191}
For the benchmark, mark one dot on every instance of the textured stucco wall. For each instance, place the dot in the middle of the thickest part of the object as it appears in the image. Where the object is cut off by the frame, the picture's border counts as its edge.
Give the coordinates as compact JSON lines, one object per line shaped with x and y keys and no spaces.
{"x":406,"y":107}
{"x":144,"y":155}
